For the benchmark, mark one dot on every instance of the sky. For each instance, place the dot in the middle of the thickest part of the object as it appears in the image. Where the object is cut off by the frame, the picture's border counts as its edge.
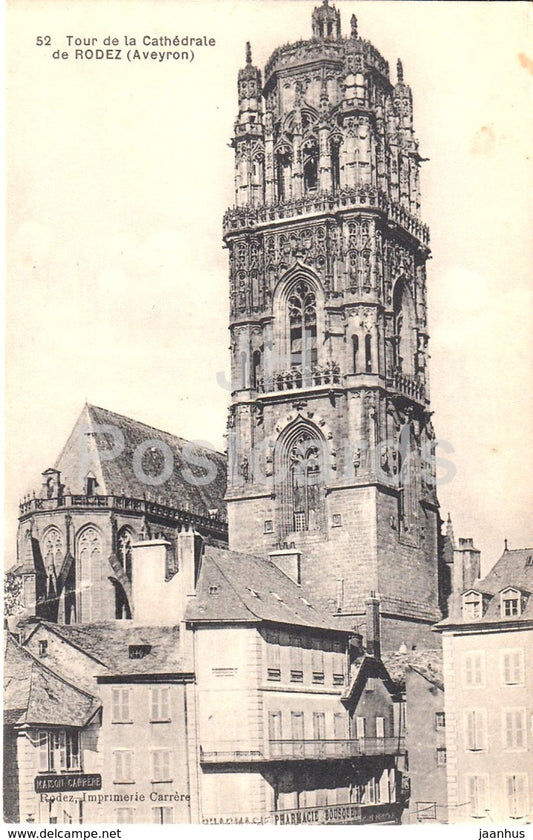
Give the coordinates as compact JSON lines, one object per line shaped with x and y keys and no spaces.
{"x":118,"y":174}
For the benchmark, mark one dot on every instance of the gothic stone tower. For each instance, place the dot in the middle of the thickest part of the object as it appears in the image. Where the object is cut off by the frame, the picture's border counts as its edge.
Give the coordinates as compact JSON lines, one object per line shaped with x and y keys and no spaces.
{"x":330,"y":440}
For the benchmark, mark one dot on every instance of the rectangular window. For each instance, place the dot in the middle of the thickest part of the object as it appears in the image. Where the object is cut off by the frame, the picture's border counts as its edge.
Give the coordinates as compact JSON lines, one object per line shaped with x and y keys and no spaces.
{"x":163,"y":815}
{"x":360,"y":727}
{"x":510,"y":606}
{"x":297,"y":726}
{"x":319,"y":726}
{"x":274,"y":726}
{"x":296,"y":657}
{"x":370,"y":684}
{"x":339,"y":726}
{"x":317,"y":664}
{"x":476,"y":730}
{"x":123,"y":761}
{"x":512,"y":667}
{"x":125,"y":816}
{"x":59,"y":750}
{"x":161,"y":766}
{"x":299,"y":522}
{"x":474,"y":669}
{"x":440,"y":720}
{"x":339,"y":664}
{"x":380,"y":727}
{"x":370,"y":792}
{"x":517,"y":795}
{"x":273,"y":654}
{"x":42,"y":744}
{"x":477,"y":795}
{"x":121,"y":705}
{"x":514,"y":729}
{"x":441,"y":756}
{"x":159,"y":704}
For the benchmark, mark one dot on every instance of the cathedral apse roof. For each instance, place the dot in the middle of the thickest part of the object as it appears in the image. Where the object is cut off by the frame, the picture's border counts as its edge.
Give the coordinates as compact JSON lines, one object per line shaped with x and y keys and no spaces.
{"x":128,"y":458}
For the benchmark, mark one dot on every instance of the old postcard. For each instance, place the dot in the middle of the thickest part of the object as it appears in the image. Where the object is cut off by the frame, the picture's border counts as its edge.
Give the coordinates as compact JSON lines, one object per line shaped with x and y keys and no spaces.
{"x":258,"y":571}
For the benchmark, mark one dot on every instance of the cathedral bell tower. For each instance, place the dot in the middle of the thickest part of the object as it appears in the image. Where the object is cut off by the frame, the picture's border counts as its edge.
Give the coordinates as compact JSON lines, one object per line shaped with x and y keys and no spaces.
{"x":330,"y":440}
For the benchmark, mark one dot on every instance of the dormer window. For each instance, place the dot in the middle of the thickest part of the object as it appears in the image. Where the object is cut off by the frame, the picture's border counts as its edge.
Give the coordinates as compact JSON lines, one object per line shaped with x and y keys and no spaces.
{"x":510,"y":603}
{"x":139,"y":651}
{"x":472,"y":605}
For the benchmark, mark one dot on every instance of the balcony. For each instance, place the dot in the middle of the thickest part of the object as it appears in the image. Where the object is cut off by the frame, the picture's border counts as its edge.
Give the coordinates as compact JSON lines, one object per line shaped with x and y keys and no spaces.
{"x":237,"y":219}
{"x":289,"y":380}
{"x":409,"y":387}
{"x":230,"y":752}
{"x":122,"y":504}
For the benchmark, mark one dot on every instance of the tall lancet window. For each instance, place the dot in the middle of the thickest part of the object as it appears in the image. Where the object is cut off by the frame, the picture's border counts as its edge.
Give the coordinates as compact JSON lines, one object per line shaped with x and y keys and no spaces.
{"x":89,"y":556}
{"x":304,"y":458}
{"x":124,"y":550}
{"x":299,"y":470}
{"x":310,"y":168}
{"x":303,"y":333}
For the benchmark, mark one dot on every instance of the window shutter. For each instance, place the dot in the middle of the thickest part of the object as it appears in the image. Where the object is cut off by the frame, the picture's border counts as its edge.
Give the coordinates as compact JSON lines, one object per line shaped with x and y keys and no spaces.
{"x":380,"y":727}
{"x":43,"y":751}
{"x":470,"y":731}
{"x":360,"y":726}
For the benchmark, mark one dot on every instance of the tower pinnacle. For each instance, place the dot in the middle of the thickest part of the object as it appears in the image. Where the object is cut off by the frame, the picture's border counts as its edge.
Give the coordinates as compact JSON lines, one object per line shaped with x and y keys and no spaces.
{"x":399,"y":71}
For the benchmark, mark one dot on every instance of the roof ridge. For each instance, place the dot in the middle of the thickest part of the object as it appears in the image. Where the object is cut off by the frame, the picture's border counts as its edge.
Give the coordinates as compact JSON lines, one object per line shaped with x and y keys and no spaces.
{"x":54,"y":629}
{"x":148,"y":426}
{"x":53,"y":674}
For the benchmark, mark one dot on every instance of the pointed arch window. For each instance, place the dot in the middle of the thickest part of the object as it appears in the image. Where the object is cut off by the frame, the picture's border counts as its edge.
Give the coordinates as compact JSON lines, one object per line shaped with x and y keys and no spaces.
{"x":303,"y":331}
{"x":256,"y":368}
{"x":124,"y":550}
{"x":304,"y":457}
{"x":368,"y":353}
{"x":53,"y":549}
{"x":89,"y":559}
{"x":283,"y":175}
{"x":355,"y":353}
{"x":310,"y":169}
{"x":335,"y":166}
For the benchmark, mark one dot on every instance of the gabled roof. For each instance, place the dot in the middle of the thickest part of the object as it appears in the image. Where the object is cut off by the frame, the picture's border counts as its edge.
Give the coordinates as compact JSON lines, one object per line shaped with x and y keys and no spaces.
{"x":365,"y":667}
{"x":116,"y":475}
{"x":108,"y":644}
{"x":234,"y":587}
{"x":36,"y":696}
{"x":425,"y":661}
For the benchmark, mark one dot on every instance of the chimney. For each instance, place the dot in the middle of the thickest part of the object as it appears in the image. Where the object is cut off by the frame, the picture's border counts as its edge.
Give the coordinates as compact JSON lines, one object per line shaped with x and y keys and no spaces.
{"x":373,"y":631}
{"x":466,"y":564}
{"x":160,"y":592}
{"x":288,"y":561}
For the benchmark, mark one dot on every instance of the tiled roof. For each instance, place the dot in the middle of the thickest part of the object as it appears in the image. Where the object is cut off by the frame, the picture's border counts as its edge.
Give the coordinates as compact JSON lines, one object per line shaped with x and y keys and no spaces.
{"x":363,"y":668}
{"x":34,"y":695}
{"x":513,"y":569}
{"x":116,"y":475}
{"x":425,"y":661}
{"x":241,"y":587}
{"x":108,"y":643}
